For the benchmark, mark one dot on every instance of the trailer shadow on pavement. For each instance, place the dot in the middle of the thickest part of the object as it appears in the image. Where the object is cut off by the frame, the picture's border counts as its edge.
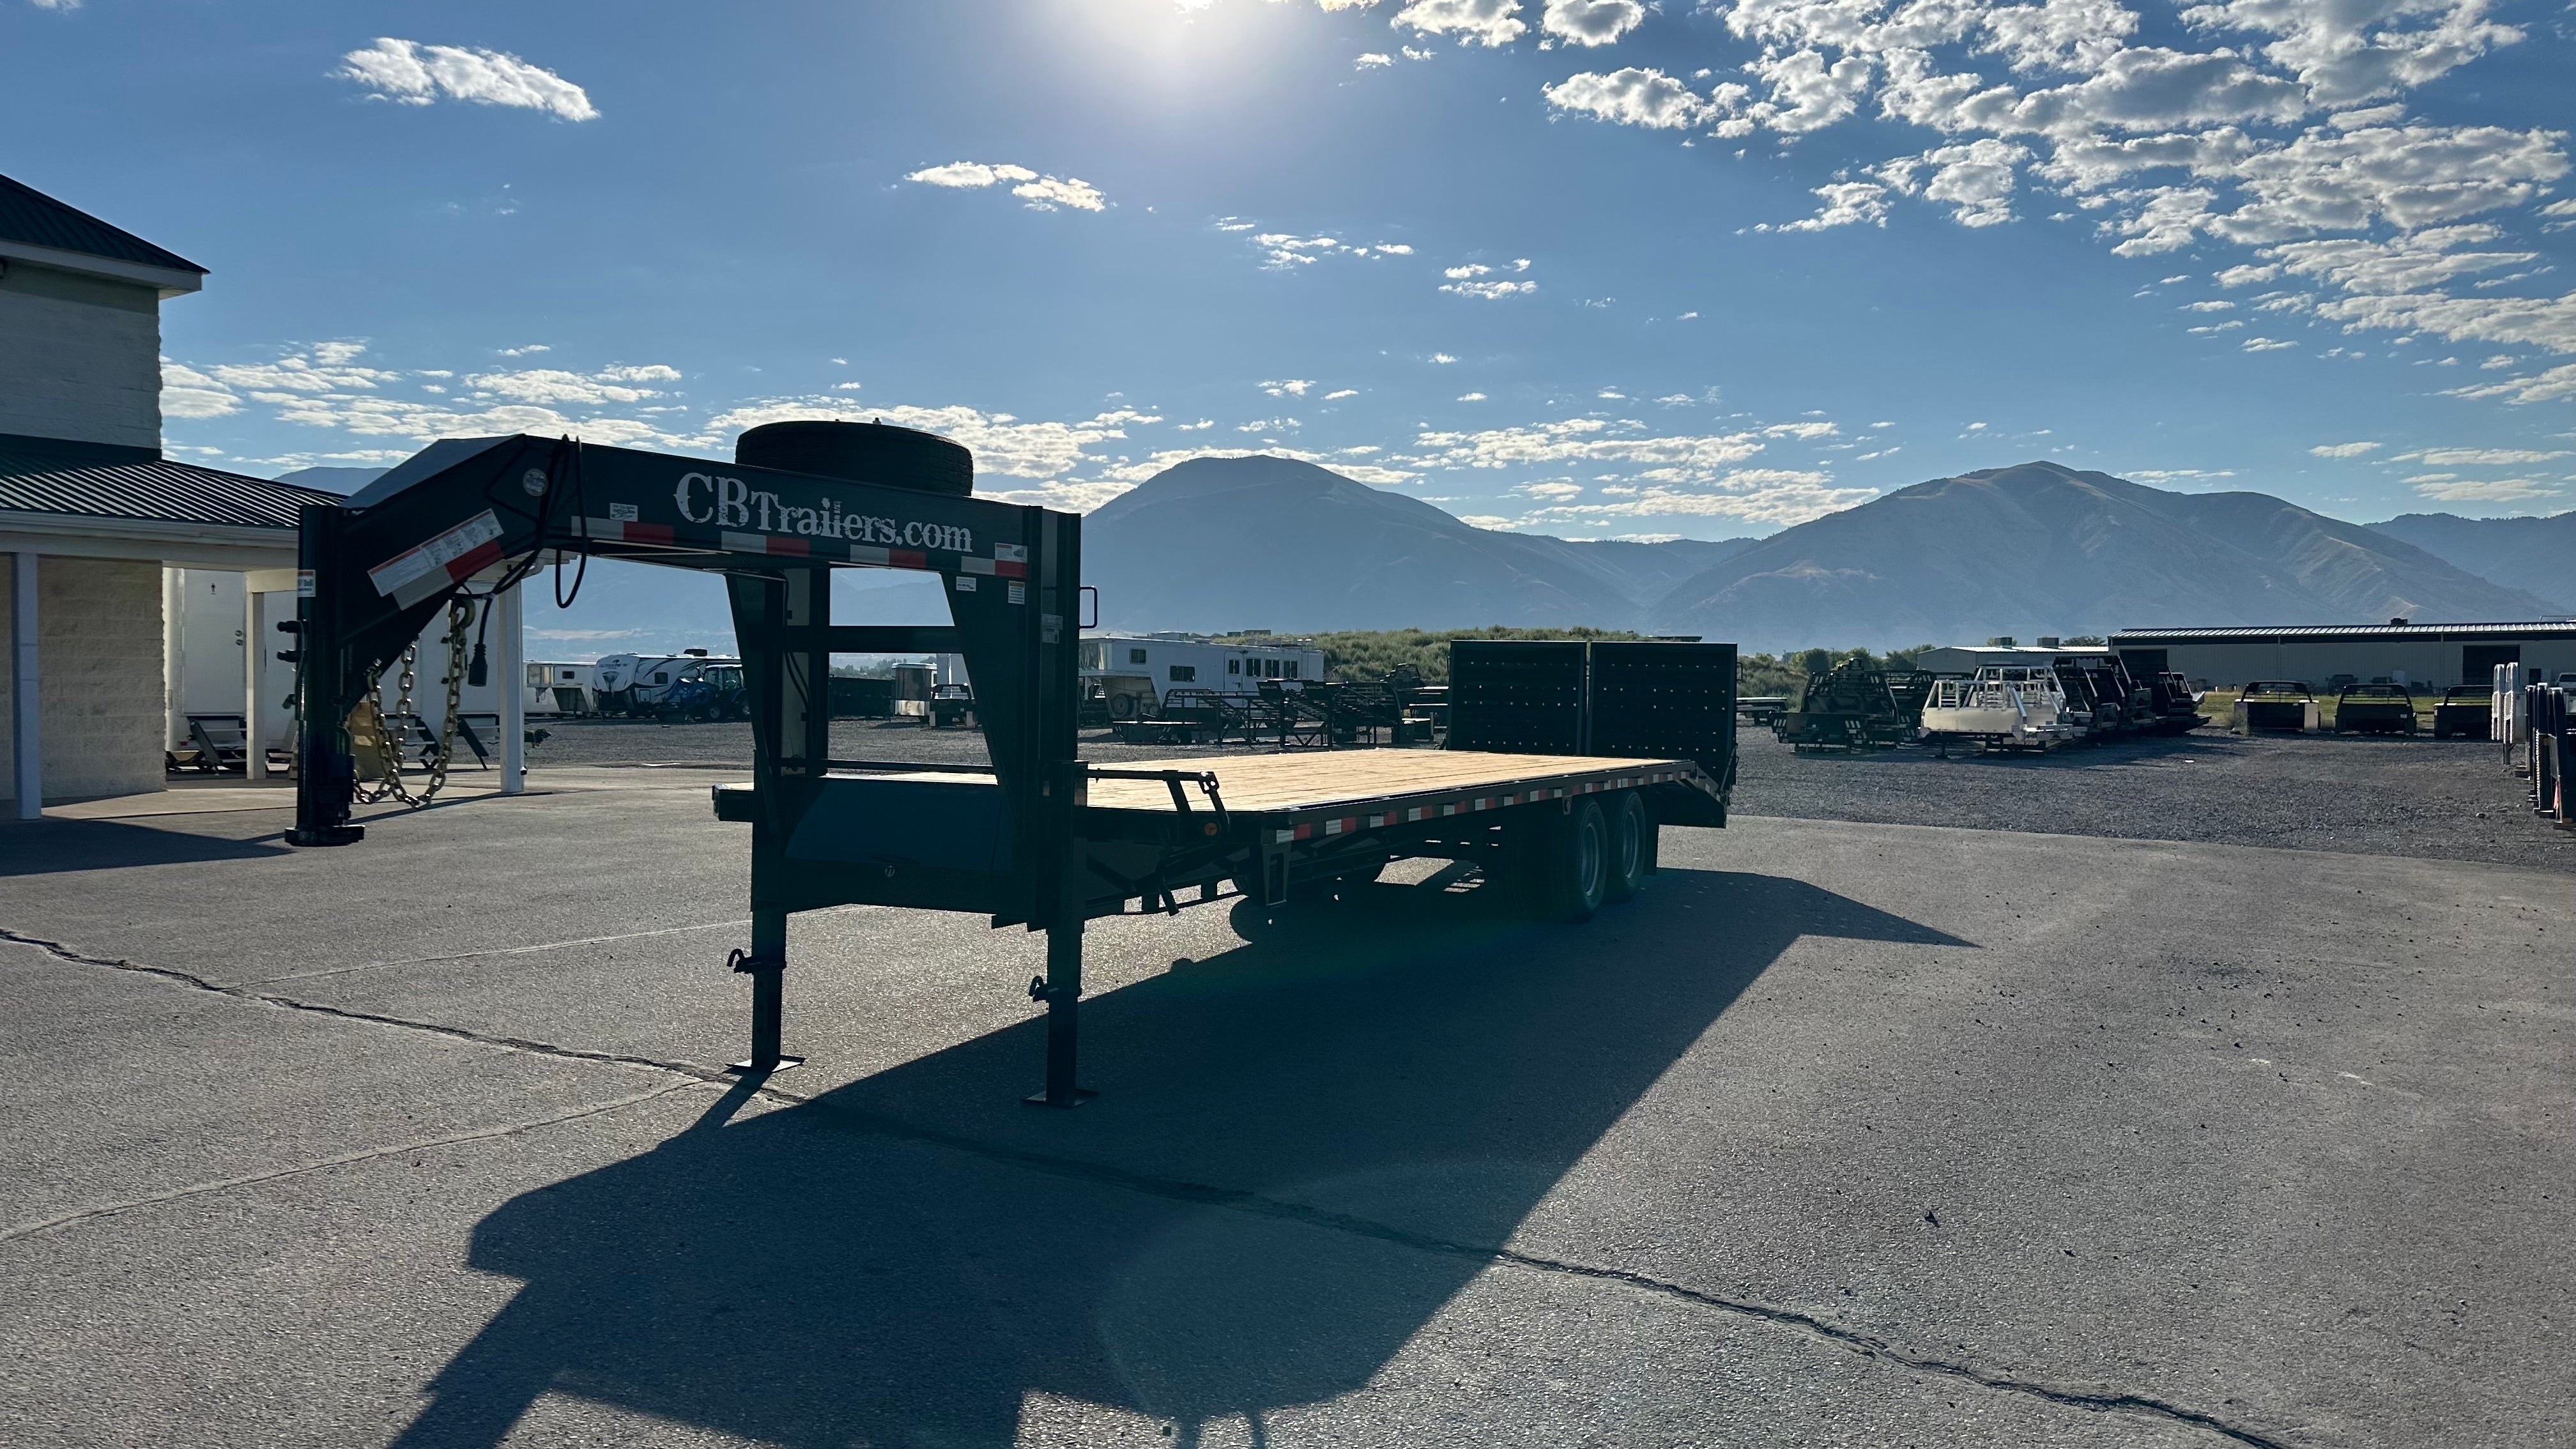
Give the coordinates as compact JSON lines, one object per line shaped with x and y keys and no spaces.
{"x":1308,"y":1145}
{"x":50,"y":847}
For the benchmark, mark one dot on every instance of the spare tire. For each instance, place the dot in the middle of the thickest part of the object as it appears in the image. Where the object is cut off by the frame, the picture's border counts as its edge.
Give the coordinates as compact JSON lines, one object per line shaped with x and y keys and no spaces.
{"x":872,"y":453}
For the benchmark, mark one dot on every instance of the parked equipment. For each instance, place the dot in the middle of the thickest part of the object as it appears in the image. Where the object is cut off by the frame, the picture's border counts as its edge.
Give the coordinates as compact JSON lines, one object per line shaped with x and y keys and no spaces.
{"x":2274,"y":706}
{"x":2374,"y":709}
{"x":2004,"y":707}
{"x":2172,"y":709}
{"x":1854,"y":707}
{"x":1038,"y":837}
{"x":2464,"y":710}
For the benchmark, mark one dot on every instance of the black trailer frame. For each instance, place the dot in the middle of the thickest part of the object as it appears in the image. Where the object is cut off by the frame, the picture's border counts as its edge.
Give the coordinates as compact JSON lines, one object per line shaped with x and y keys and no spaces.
{"x":375,"y":569}
{"x":1017,"y":841}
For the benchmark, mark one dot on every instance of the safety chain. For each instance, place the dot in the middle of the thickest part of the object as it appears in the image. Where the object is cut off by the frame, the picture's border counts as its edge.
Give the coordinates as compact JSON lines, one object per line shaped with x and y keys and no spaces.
{"x":460,"y":617}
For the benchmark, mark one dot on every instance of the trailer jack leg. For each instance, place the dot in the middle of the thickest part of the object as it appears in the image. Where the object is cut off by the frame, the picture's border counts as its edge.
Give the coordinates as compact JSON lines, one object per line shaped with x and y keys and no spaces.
{"x":766,"y":965}
{"x":1061,"y":990}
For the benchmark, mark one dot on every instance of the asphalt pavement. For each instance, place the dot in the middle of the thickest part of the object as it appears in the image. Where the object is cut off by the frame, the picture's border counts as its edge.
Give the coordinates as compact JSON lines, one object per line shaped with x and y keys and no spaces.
{"x":1843,"y":1134}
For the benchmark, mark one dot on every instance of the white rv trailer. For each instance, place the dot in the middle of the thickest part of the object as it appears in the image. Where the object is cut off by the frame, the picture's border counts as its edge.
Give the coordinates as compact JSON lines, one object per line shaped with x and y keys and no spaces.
{"x":644,"y":679}
{"x":1131,"y":666}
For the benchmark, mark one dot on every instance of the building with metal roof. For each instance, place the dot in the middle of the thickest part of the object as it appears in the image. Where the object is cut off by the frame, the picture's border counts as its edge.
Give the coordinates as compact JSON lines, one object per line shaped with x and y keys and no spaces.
{"x":103,"y":536}
{"x":2434,"y":656}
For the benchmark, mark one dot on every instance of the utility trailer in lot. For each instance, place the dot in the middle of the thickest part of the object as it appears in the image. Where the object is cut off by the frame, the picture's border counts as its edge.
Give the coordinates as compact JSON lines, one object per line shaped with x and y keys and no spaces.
{"x":1039,"y":838}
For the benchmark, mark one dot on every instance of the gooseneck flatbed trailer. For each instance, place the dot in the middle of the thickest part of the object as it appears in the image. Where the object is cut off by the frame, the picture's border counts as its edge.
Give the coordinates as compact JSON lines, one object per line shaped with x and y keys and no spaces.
{"x":1038,"y":838}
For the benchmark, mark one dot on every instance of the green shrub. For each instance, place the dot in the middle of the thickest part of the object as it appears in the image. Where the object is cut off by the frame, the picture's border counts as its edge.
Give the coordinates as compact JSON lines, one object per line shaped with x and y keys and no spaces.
{"x":1368,"y":654}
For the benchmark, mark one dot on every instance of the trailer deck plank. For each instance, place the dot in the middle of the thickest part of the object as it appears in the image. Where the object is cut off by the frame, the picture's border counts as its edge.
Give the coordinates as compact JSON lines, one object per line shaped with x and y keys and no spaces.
{"x":1329,"y":778}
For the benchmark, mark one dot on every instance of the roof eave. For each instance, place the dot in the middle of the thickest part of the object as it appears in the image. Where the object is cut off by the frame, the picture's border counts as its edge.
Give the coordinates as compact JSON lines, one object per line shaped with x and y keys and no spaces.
{"x":168,"y":281}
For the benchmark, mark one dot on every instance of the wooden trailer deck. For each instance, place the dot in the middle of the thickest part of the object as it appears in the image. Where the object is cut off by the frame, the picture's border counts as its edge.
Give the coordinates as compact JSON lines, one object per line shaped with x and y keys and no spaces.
{"x":1353,"y":780}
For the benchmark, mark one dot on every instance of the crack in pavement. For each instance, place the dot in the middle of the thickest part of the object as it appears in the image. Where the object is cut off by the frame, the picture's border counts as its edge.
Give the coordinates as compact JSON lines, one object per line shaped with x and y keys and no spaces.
{"x":496,"y":951}
{"x":418,"y":1144}
{"x":1821,"y":1330}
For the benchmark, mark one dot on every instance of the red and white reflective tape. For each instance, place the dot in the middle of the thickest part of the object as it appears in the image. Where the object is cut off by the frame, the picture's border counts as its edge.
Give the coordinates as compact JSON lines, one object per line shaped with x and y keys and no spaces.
{"x":442,"y":563}
{"x":625,"y":530}
{"x":889,"y":558}
{"x":1412,"y":814}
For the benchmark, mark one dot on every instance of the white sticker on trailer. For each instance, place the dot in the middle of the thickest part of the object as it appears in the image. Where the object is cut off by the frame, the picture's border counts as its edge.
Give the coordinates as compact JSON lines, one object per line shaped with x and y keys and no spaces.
{"x":448,"y":559}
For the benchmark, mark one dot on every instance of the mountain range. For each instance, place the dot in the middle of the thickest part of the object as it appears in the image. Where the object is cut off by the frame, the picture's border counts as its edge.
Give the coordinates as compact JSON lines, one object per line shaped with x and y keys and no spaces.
{"x":2535,"y":555}
{"x":1282,"y":544}
{"x":1214,"y":544}
{"x":2026,"y":550}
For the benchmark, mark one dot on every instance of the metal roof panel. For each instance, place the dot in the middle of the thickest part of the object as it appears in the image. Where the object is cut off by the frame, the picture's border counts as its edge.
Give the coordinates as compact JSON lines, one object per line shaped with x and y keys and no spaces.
{"x":2349,"y":633}
{"x":30,"y":216}
{"x":39,"y":476}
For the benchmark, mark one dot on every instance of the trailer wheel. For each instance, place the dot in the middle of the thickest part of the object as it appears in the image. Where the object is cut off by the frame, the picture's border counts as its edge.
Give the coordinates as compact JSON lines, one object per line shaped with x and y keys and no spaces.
{"x":1632,"y":847}
{"x":1577,"y":863}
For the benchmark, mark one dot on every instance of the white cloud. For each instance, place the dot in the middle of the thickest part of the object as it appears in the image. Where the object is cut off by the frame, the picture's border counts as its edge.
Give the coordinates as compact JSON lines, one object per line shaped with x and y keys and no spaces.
{"x":1471,"y":397}
{"x":1847,"y":203}
{"x":2209,"y":306}
{"x":1592,"y":22}
{"x":1975,"y":179}
{"x":1001,"y":443}
{"x":1340,"y":393}
{"x":2344,"y":450}
{"x":2480,"y":457}
{"x":1757,"y":495}
{"x":1808,"y":93}
{"x":2175,"y":475}
{"x":548,"y":385}
{"x":1633,"y":97}
{"x":190,"y":395}
{"x":2555,"y":384}
{"x":299,"y":374}
{"x":1049,"y":192}
{"x":531,"y":350}
{"x":414,"y":75}
{"x":1287,"y":387}
{"x":1490,"y":291}
{"x":1372,"y":60}
{"x":1474,"y":22}
{"x":1442,"y":358}
{"x":1284,"y":251}
{"x":2266,"y":344}
{"x":2368,"y":48}
{"x":1042,"y":193}
{"x":2489,"y":490}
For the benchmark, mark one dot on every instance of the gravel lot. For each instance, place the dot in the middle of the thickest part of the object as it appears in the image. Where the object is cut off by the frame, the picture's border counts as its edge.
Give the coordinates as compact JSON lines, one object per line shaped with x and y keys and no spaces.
{"x":2366,"y":795}
{"x":2357,"y":794}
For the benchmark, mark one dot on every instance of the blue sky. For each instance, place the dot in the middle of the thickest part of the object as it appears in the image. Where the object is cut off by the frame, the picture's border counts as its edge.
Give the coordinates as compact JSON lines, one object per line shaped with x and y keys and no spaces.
{"x":1590,"y":267}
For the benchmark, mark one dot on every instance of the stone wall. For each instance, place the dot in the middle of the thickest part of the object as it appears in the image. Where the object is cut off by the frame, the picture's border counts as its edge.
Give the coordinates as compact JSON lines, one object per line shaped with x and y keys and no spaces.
{"x":99,"y":661}
{"x":80,"y":357}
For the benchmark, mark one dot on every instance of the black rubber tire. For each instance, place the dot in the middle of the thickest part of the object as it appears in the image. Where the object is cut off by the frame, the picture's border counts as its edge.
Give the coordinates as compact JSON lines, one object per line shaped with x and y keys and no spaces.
{"x":1577,"y":863}
{"x":1631,"y":845}
{"x":873,"y":453}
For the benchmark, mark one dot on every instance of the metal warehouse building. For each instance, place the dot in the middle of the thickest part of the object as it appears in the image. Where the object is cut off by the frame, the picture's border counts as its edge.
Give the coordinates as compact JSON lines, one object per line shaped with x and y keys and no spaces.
{"x":2435,"y":655}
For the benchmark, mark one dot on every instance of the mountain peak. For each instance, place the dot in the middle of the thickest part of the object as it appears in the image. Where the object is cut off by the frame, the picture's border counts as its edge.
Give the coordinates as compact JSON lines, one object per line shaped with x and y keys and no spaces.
{"x":1202,"y":478}
{"x":2042,"y":548}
